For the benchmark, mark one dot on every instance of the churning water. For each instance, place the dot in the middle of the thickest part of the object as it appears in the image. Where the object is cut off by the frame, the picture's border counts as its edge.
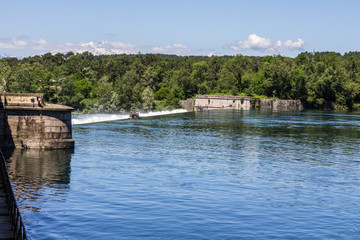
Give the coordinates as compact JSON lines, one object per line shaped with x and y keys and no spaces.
{"x":96,"y":118}
{"x":207,"y":175}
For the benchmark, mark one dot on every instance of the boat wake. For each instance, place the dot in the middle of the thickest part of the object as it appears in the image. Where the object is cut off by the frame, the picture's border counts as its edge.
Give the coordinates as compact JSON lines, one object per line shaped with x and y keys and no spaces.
{"x":78,"y":119}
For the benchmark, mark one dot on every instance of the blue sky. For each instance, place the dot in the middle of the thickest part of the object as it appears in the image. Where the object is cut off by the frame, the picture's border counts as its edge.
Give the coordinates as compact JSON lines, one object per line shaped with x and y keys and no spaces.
{"x":195,"y":27}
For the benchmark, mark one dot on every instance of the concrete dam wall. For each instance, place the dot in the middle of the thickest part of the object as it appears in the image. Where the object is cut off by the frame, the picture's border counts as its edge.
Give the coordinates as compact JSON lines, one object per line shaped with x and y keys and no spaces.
{"x":25,"y":122}
{"x":209,"y":102}
{"x":281,"y":105}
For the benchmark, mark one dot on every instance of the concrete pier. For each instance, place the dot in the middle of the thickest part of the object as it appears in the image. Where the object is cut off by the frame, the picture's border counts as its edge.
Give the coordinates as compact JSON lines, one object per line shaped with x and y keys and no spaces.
{"x":26,"y":122}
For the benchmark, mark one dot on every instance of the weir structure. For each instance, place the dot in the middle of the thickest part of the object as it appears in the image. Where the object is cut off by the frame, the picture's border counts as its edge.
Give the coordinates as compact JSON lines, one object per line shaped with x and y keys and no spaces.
{"x":210,"y":102}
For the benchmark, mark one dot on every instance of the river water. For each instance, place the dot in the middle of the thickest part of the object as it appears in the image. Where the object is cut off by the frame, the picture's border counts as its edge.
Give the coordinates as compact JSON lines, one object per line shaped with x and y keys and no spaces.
{"x":206,"y":175}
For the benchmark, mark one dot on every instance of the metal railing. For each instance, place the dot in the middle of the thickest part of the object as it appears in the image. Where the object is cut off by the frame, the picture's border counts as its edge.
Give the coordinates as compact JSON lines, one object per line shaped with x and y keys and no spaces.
{"x":16,"y":221}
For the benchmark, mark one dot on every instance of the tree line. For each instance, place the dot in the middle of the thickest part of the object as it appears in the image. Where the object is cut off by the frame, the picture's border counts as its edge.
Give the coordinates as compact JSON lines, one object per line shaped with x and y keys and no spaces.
{"x":111,"y":83}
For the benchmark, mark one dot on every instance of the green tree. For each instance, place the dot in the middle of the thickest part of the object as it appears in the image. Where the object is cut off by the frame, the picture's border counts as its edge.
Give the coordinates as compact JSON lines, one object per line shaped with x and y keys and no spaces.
{"x":148,"y":99}
{"x":21,"y":82}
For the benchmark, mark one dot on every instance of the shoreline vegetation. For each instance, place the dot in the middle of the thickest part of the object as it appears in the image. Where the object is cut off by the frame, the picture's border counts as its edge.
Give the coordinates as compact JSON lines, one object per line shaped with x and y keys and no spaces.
{"x":155,"y":82}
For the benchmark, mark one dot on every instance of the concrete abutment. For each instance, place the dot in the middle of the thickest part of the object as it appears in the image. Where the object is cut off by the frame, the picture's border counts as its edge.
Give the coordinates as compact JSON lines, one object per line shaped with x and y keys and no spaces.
{"x":25,"y":122}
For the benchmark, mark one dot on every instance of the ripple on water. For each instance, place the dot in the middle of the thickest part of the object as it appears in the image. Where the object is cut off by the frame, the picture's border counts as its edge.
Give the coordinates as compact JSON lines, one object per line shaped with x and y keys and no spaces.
{"x":207,"y":175}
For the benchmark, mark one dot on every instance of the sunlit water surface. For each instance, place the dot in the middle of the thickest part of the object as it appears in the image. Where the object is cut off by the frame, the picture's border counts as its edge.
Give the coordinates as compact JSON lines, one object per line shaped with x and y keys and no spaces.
{"x":207,"y":175}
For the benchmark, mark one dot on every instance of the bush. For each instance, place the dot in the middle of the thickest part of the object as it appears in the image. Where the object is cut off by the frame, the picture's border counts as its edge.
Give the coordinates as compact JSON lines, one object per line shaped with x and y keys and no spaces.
{"x":356,"y":107}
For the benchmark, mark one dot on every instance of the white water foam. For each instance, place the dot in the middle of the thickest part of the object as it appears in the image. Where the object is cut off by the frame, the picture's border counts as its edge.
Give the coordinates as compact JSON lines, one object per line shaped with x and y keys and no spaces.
{"x":95,"y":118}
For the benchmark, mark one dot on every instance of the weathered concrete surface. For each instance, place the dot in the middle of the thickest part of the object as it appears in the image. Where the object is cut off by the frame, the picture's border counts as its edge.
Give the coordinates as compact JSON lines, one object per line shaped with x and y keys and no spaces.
{"x":21,"y":99}
{"x":37,"y":128}
{"x":208,"y":102}
{"x":27,"y":125}
{"x":281,"y":105}
{"x":188,"y":104}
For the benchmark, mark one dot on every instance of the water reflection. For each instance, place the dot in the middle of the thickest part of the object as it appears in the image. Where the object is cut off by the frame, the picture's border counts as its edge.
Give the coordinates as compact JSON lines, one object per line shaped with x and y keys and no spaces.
{"x":36,"y":173}
{"x":208,"y":175}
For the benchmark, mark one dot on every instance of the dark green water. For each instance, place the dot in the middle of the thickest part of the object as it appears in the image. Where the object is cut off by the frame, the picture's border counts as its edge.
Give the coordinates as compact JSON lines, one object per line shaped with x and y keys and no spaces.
{"x":207,"y":175}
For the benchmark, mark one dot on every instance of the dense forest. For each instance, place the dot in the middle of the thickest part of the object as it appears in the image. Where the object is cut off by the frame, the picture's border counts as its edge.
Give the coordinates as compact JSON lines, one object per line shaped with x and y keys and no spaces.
{"x":111,"y":83}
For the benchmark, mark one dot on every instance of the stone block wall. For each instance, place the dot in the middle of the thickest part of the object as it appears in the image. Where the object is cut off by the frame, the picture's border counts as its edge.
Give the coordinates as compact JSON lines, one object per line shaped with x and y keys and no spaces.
{"x":38,"y":128}
{"x":208,"y":102}
{"x":25,"y":122}
{"x":203,"y":102}
{"x":281,"y":105}
{"x":188,"y":104}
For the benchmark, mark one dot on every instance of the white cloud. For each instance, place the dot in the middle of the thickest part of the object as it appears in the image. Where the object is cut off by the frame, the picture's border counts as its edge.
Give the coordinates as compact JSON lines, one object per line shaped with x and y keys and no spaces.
{"x":39,"y":45}
{"x":210,"y":54}
{"x":174,"y":49}
{"x":255,"y":42}
{"x":6,"y":45}
{"x":12,"y":43}
{"x":19,"y":43}
{"x":103,"y":47}
{"x":100,"y":48}
{"x":298,"y":44}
